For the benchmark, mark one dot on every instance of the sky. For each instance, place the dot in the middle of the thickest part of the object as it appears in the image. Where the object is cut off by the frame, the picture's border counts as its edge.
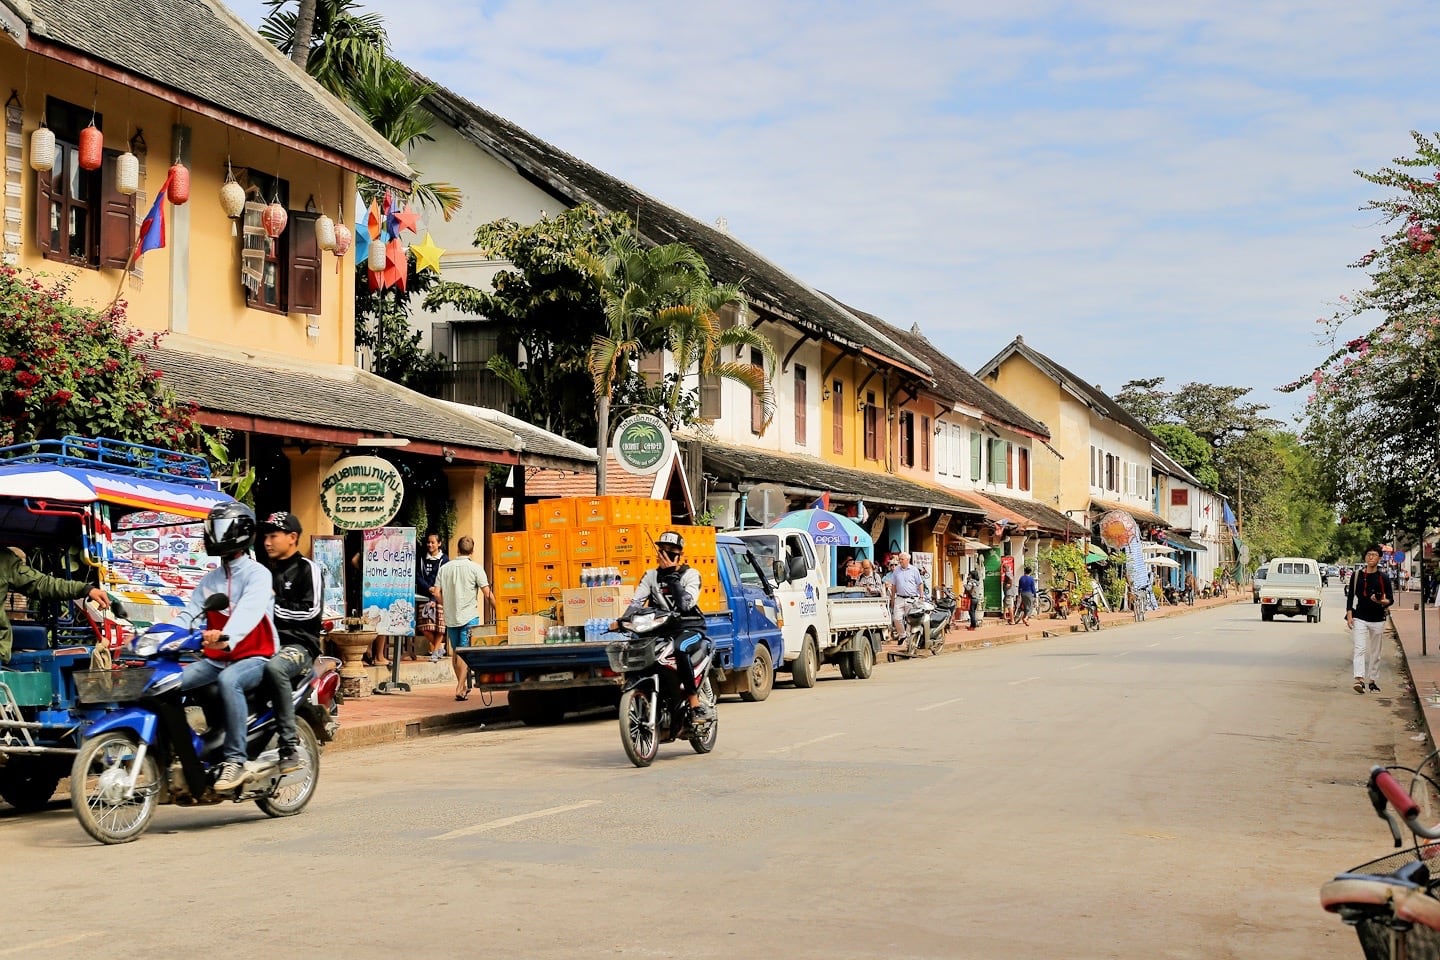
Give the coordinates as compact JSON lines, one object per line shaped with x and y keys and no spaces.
{"x":1140,"y":188}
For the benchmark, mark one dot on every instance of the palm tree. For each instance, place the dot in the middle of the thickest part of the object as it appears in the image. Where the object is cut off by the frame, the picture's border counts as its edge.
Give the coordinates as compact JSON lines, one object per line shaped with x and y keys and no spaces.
{"x":662,"y":296}
{"x":341,"y":42}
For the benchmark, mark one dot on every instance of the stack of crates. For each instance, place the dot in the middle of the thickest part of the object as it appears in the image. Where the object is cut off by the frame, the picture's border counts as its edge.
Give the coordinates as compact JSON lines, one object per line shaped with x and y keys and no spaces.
{"x":565,"y":536}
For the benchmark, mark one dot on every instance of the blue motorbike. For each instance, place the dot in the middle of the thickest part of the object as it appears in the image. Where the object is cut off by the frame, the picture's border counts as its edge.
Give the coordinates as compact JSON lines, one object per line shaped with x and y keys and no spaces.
{"x":146,"y":751}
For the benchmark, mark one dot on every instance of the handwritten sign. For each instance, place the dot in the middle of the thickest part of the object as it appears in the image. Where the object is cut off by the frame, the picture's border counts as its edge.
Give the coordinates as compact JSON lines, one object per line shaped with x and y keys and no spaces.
{"x":388,"y":583}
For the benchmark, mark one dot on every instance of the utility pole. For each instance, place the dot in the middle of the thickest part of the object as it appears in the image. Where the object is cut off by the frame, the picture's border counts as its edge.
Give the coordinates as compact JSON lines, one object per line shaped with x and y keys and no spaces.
{"x":1240,"y":501}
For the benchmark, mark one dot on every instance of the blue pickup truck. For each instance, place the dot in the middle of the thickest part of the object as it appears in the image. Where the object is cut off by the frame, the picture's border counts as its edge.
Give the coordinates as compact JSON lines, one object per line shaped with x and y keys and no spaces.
{"x":545,"y":680}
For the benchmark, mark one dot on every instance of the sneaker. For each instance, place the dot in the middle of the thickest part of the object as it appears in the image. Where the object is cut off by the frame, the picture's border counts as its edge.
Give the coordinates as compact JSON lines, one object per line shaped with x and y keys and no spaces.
{"x":704,"y":713}
{"x":1359,"y":685}
{"x":438,"y":655}
{"x":290,"y":759}
{"x":232,"y":774}
{"x":1375,"y":687}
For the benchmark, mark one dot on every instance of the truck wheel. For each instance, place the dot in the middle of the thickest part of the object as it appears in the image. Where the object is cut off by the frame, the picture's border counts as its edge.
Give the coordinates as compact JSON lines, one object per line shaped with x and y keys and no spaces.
{"x":1267,"y":612}
{"x":846,"y":663}
{"x":803,"y":670}
{"x":762,"y":676}
{"x":862,"y":660}
{"x":537,"y":708}
{"x":28,"y":785}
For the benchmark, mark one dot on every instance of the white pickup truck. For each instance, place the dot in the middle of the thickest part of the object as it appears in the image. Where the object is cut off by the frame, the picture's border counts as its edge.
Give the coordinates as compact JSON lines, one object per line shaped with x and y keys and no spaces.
{"x":821,"y":624}
{"x":1291,"y":588}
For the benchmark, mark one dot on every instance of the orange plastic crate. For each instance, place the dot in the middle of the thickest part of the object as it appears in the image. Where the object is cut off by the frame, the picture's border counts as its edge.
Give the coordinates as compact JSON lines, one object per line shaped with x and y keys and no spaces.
{"x":512,"y":581}
{"x":550,"y":514}
{"x":574,"y":567}
{"x":594,"y":511}
{"x":587,"y":543}
{"x":507,"y":607}
{"x":545,"y":577}
{"x":510,"y":549}
{"x":630,"y":570}
{"x":625,"y":541}
{"x":549,"y":546}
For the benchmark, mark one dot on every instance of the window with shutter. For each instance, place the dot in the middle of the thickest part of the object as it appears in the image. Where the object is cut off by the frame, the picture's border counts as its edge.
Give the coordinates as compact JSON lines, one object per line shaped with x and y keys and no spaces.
{"x":1023,"y":455}
{"x":652,"y":367}
{"x":69,"y":200}
{"x":801,"y":403}
{"x":757,"y":402}
{"x":1010,"y":465}
{"x":837,"y":416}
{"x":264,"y":262}
{"x":906,"y":438}
{"x":303,"y":269}
{"x":117,"y":217}
{"x":925,"y":444}
{"x":710,"y":394}
{"x":999,"y":465}
{"x":872,"y":428}
{"x":977,"y":454}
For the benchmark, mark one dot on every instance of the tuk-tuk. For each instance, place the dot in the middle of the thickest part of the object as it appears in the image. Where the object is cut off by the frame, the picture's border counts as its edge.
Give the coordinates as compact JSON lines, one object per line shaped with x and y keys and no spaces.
{"x":131,"y":513}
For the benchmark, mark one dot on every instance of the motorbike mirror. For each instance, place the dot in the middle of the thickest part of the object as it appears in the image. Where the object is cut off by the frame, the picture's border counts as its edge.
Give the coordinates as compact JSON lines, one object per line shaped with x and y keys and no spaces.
{"x":216,"y":602}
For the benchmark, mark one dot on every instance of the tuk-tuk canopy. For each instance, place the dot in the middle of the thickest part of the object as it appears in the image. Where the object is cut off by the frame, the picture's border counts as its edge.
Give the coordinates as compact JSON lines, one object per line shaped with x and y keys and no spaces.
{"x":46,"y":483}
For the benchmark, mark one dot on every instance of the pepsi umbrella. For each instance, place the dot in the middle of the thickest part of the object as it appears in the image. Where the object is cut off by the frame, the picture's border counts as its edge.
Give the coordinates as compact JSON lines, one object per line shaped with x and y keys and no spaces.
{"x":827,"y":529}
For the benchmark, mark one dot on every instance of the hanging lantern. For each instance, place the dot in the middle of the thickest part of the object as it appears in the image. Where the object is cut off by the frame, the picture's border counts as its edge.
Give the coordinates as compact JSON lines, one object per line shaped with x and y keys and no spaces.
{"x":92,"y":147}
{"x":232,"y":198}
{"x":376,"y":260}
{"x":343,"y":239}
{"x":179,"y":191}
{"x":325,"y":232}
{"x":127,"y":173}
{"x":273,"y":220}
{"x":42,"y":149}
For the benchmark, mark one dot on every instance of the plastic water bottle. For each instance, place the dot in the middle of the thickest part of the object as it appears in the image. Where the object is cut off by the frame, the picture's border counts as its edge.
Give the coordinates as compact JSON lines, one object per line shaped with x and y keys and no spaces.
{"x":614,"y":576}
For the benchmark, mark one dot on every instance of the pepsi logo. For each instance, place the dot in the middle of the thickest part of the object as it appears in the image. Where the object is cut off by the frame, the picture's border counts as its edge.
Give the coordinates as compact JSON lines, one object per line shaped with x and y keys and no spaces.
{"x":824,"y":526}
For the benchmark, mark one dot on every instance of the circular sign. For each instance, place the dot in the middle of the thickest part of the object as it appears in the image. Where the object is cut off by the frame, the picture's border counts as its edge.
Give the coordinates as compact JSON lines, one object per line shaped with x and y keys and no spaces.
{"x":361,"y":493}
{"x":642,"y":444}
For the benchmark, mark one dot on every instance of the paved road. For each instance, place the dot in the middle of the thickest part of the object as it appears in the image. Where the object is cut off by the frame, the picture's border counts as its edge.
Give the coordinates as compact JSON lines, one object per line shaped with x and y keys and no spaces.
{"x":1173,"y":789}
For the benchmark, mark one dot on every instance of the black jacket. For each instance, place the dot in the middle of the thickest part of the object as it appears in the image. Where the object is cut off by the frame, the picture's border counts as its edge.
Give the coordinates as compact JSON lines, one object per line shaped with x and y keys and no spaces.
{"x":299,"y":595}
{"x":1363,"y":593}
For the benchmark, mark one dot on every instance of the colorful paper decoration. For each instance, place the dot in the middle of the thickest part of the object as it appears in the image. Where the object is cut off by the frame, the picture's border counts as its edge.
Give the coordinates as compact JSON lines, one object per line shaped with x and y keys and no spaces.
{"x":373,"y":221}
{"x":325,"y":232}
{"x":127,"y":174}
{"x":427,"y":254}
{"x":407,"y":219}
{"x":376,"y":258}
{"x":179,"y":191}
{"x":273,"y":220}
{"x":42,"y":149}
{"x":92,"y":147}
{"x":343,"y":239}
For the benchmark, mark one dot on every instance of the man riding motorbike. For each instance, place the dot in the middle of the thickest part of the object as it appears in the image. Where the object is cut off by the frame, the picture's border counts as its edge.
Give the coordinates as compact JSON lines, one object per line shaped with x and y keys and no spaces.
{"x":675,"y":586}
{"x":237,"y":664}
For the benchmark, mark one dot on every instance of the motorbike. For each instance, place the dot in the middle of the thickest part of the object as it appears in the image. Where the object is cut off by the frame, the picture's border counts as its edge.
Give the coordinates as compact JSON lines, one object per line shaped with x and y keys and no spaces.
{"x":1054,"y":601}
{"x":925,"y":625}
{"x":146,"y":751}
{"x":1090,"y":613}
{"x":653,"y":706}
{"x":942,"y":615}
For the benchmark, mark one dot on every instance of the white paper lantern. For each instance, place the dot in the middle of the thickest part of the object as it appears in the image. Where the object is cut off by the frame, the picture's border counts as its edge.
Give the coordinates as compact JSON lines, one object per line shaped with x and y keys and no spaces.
{"x":42,"y":149}
{"x":325,"y":232}
{"x":343,"y":239}
{"x":232,"y":199}
{"x":376,"y":258}
{"x":127,"y":173}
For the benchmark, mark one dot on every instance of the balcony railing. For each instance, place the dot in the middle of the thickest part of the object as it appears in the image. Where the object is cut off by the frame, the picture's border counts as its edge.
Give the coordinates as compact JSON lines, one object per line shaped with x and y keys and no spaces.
{"x":468,"y":382}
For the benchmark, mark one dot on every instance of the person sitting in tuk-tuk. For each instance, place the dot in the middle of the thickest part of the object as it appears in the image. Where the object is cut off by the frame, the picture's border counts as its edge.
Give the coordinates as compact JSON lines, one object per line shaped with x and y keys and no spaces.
{"x":17,"y":576}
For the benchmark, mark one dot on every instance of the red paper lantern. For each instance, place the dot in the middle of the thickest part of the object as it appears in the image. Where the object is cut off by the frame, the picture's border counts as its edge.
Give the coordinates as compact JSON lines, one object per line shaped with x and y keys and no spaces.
{"x":273,"y":220}
{"x":179,"y":191}
{"x":92,"y":148}
{"x":343,"y":239}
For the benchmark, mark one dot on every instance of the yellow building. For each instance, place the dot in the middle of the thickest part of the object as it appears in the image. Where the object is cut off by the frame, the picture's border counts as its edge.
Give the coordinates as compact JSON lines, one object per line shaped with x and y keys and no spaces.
{"x":259,"y":330}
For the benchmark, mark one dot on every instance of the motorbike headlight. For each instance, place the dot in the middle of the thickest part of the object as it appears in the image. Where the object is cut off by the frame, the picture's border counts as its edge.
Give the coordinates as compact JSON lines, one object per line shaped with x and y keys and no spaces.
{"x":145,"y":645}
{"x":642,"y":622}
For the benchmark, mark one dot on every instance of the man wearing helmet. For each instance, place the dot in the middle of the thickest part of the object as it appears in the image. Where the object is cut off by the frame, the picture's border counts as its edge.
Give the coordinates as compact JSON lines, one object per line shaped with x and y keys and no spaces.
{"x":673,"y":585}
{"x":238,"y":641}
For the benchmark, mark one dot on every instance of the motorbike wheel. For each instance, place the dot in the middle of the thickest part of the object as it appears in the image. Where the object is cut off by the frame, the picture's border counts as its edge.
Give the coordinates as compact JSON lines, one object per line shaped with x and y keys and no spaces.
{"x":762,"y":676}
{"x":1042,"y":602}
{"x":806,"y":665}
{"x":97,"y":783}
{"x":937,"y":643}
{"x":637,"y":735}
{"x":27,"y":786}
{"x":706,"y":743}
{"x":295,"y":790}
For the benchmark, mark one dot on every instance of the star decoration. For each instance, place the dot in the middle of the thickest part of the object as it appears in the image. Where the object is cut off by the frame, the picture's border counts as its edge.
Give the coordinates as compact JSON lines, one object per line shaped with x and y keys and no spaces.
{"x":427,"y":254}
{"x":408,"y":219}
{"x":373,"y":221}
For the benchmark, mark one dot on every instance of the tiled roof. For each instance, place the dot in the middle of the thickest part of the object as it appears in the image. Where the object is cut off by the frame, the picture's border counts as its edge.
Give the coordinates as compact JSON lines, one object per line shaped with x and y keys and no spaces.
{"x":1045,"y":517}
{"x":730,"y":261}
{"x":1094,"y":396}
{"x":811,"y":476}
{"x":1139,"y":513}
{"x":619,"y":482}
{"x":329,"y":396}
{"x":200,"y":48}
{"x":536,"y":440}
{"x":955,"y":382}
{"x":1170,"y":465}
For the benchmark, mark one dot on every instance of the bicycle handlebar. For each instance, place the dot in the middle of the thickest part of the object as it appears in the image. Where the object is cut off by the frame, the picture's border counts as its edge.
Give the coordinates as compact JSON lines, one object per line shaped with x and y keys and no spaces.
{"x":1384,"y":788}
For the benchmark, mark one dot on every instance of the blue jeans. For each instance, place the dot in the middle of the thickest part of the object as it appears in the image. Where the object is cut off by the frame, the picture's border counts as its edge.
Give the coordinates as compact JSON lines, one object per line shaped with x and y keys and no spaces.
{"x":233,"y":679}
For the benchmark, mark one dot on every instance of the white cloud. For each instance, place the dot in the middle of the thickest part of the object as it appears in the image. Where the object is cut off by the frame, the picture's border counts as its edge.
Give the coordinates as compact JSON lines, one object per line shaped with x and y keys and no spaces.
{"x":1139,"y":187}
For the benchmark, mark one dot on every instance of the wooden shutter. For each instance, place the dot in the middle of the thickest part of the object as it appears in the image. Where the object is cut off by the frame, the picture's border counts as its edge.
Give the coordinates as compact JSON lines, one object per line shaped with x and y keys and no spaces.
{"x":925,"y":444}
{"x":872,"y":430}
{"x":1009,"y":466}
{"x":837,"y":416}
{"x":1024,"y":455}
{"x":117,"y":218}
{"x":652,"y":367}
{"x":44,"y":196}
{"x":710,"y":394}
{"x":757,"y":402}
{"x":976,"y":445}
{"x":801,"y":402}
{"x":440,"y":341}
{"x":302,"y":288}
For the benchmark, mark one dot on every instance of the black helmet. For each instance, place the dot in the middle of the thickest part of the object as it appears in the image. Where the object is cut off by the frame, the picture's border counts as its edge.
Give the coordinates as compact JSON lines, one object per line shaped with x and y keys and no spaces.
{"x":671,"y":542}
{"x":229,"y":529}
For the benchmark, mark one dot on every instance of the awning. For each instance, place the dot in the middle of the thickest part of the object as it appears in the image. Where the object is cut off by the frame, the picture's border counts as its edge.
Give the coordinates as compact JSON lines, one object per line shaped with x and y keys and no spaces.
{"x":1095,"y":556}
{"x":972,"y":545}
{"x":1139,"y":513}
{"x":1161,"y":562}
{"x":1181,"y":542}
{"x":1041,"y":516}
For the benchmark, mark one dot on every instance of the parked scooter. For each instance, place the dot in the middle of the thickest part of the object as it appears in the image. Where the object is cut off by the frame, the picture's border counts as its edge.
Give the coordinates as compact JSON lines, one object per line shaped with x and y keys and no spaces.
{"x":942,"y":614}
{"x":653,"y":708}
{"x":1090,"y":612}
{"x":146,"y":753}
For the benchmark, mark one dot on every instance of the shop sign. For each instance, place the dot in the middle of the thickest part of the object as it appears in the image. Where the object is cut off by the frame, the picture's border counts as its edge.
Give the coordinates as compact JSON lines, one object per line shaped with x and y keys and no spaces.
{"x":942,"y":524}
{"x":361,"y":493}
{"x":642,"y":444}
{"x":388,"y":581}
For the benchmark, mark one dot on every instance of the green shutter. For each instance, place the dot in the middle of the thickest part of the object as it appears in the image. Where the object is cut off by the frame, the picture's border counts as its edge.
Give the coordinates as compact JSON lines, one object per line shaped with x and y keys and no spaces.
{"x":974,"y":456}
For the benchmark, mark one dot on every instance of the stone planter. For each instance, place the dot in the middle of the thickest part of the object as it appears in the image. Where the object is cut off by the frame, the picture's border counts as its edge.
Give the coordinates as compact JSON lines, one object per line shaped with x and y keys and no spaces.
{"x":352,"y":646}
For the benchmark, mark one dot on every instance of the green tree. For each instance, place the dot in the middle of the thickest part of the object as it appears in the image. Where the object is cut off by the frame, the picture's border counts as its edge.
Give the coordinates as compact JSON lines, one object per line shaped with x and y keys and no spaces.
{"x":1191,"y":452}
{"x":1373,"y":414}
{"x":341,"y":41}
{"x":382,"y":323}
{"x":72,"y":369}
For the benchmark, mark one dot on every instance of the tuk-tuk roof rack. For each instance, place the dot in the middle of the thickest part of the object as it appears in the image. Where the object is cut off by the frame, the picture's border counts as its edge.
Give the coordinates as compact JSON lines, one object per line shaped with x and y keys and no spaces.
{"x":135,"y":459}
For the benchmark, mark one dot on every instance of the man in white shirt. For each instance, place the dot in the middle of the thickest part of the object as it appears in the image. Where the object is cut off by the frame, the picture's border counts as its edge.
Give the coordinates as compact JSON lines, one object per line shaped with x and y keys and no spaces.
{"x":461,"y":582}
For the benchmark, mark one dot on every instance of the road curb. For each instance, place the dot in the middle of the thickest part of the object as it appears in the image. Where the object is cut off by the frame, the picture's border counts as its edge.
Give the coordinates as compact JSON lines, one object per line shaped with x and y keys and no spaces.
{"x":408,"y":728}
